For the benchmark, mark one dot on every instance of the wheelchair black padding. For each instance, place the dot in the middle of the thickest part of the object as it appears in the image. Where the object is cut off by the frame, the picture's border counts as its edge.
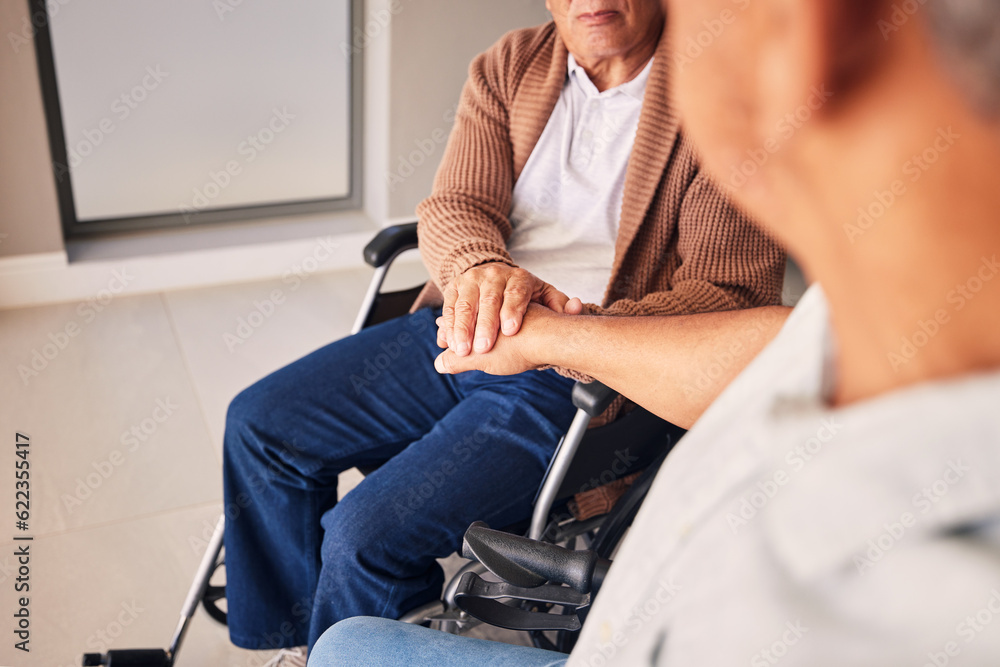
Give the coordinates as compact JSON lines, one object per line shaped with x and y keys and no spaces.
{"x":473,"y":585}
{"x":625,"y":446}
{"x":529,"y":563}
{"x":389,"y":242}
{"x":513,"y":618}
{"x":593,"y":397}
{"x":526,"y":565}
{"x":390,"y":305}
{"x":143,"y":657}
{"x":621,"y":517}
{"x":608,"y":537}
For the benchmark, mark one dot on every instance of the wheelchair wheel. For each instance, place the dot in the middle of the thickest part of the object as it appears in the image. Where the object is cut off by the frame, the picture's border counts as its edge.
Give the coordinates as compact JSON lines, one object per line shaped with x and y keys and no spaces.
{"x":214,"y":595}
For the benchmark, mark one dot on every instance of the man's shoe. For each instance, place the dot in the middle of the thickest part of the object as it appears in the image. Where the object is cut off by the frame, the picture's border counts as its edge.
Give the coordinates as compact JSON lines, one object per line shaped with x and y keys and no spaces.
{"x":289,"y":657}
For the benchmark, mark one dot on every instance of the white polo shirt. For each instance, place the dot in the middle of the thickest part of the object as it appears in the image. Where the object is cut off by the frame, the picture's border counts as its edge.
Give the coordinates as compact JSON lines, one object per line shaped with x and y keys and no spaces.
{"x":568,"y":199}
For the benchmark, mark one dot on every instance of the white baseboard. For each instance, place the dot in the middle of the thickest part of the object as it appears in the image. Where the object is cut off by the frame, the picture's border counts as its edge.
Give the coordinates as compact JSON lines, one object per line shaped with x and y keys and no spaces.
{"x":44,"y":261}
{"x":49,"y":278}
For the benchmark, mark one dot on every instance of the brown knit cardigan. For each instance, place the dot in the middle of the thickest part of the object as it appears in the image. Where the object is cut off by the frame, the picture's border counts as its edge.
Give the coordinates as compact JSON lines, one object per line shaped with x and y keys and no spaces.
{"x":682,"y":247}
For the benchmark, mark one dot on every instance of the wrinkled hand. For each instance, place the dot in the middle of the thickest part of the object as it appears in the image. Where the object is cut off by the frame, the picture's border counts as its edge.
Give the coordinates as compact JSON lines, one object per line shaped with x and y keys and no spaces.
{"x":510,"y":355}
{"x":490,"y":298}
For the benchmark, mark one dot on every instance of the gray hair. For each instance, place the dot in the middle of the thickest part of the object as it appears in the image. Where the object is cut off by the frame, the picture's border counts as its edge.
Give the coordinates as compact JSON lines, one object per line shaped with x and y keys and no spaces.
{"x":968,"y":37}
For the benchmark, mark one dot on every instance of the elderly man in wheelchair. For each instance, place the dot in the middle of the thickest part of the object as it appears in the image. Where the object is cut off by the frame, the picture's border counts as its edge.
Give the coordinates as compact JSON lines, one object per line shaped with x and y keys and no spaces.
{"x":566,"y":175}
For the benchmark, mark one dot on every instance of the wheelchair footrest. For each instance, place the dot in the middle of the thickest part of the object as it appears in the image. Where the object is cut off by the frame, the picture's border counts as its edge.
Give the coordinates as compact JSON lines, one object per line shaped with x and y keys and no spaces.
{"x":141,"y":657}
{"x":478,"y":598}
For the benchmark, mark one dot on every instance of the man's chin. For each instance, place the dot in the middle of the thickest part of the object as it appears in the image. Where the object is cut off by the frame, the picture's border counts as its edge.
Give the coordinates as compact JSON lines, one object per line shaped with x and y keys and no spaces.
{"x":603,"y":44}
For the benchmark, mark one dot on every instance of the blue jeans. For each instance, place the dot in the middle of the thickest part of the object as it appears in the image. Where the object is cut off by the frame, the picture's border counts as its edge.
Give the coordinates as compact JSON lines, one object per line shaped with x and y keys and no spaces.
{"x":452,"y":450}
{"x":378,"y":642}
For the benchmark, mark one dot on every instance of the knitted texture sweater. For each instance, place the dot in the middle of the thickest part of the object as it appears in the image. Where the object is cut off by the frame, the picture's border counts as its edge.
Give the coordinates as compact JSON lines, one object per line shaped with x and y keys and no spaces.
{"x":682,"y":247}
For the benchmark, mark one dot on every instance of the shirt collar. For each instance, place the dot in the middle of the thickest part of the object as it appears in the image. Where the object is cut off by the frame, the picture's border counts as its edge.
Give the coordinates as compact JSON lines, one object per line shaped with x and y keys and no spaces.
{"x":634,"y":88}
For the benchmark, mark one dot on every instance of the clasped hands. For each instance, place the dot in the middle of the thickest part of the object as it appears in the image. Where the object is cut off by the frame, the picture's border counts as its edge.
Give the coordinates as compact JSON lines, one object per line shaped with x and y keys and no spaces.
{"x":484,"y":310}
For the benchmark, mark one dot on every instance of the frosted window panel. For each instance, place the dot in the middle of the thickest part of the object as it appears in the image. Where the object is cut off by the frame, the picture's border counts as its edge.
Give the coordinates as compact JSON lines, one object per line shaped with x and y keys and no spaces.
{"x":179,"y":105}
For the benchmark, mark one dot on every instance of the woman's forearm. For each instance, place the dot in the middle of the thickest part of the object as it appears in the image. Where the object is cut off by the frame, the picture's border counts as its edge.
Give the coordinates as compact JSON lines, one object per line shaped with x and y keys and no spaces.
{"x":673,"y":366}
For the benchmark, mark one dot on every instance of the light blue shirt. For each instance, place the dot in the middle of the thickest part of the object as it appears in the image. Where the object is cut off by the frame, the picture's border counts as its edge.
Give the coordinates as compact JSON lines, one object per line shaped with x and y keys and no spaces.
{"x":783,"y":531}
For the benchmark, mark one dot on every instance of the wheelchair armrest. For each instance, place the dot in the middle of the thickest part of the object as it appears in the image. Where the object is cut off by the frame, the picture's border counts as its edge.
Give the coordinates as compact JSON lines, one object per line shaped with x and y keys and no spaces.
{"x":530,"y":563}
{"x":593,"y":397}
{"x":390,"y":242}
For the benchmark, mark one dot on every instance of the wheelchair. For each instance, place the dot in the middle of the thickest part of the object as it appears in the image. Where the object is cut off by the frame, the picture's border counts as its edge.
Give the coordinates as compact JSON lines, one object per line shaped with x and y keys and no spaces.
{"x":582,"y":456}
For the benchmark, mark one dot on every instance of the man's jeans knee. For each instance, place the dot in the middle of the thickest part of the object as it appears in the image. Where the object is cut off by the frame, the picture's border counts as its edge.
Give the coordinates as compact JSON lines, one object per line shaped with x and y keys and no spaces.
{"x":449,"y":448}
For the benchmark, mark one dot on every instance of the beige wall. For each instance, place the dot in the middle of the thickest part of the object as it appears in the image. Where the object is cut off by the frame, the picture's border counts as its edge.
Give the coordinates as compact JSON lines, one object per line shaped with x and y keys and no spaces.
{"x":414,"y":72}
{"x":29,"y":213}
{"x":432,"y":45}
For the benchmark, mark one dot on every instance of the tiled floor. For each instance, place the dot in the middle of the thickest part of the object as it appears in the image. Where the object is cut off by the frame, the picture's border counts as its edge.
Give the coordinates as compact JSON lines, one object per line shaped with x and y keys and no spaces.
{"x":125,"y":408}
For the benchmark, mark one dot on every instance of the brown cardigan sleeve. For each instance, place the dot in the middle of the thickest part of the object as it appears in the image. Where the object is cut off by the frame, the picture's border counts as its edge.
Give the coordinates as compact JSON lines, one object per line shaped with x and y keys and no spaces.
{"x":726,"y":262}
{"x":464,"y":222}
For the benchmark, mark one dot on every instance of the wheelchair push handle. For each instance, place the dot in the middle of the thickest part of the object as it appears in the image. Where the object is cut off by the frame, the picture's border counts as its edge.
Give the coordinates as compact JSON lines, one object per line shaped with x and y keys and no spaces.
{"x":530,"y":563}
